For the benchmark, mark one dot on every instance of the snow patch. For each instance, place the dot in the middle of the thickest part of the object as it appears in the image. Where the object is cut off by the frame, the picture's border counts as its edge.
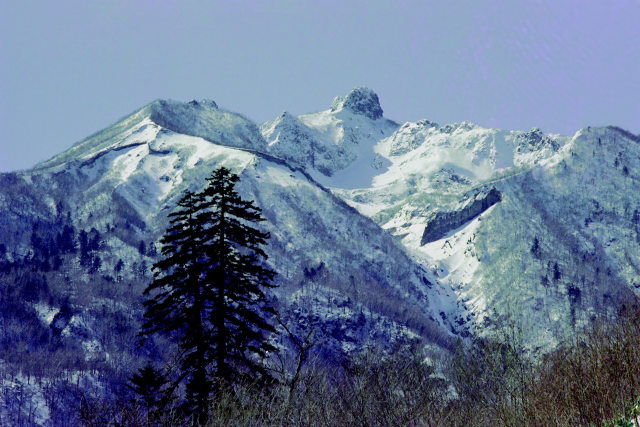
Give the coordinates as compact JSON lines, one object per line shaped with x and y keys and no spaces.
{"x":454,"y":261}
{"x":45,"y":312}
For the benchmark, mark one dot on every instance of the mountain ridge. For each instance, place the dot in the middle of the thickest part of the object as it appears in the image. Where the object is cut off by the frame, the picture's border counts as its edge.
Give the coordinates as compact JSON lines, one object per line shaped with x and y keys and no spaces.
{"x":348,"y":196}
{"x":469,"y":156}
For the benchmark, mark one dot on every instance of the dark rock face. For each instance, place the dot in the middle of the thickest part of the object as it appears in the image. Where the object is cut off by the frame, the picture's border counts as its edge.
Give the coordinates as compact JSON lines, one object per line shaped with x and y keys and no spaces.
{"x":441,"y":223}
{"x":361,"y":100}
{"x":534,"y":140}
{"x":204,"y":103}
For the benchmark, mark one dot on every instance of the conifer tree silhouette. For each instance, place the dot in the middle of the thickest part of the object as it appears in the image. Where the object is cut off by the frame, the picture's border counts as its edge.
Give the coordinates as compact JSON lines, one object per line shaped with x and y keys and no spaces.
{"x":208,"y":291}
{"x":149,"y":383}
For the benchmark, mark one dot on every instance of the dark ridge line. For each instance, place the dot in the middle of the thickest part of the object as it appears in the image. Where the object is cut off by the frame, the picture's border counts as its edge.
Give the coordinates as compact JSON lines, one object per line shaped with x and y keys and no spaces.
{"x":624,"y":132}
{"x":92,"y":160}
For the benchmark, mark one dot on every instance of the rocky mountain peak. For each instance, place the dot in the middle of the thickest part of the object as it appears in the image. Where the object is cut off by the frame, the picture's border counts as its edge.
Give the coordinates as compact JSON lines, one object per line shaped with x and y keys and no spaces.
{"x":286,"y":117}
{"x":360,"y":100}
{"x":203,"y":103}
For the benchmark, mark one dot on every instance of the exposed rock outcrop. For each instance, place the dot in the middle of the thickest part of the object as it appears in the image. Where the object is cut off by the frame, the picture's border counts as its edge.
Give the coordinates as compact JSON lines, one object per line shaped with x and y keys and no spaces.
{"x":440,"y":223}
{"x":360,"y":100}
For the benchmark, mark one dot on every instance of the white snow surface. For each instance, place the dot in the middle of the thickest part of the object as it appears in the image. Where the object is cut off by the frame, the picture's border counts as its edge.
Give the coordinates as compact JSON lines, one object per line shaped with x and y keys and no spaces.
{"x":335,"y":146}
{"x":19,"y":391}
{"x":138,"y":169}
{"x":45,"y":312}
{"x":489,"y":271}
{"x":454,"y":259}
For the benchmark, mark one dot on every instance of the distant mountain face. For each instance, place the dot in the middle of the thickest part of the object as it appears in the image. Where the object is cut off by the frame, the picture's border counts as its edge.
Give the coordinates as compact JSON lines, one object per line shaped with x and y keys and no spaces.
{"x":380,"y":233}
{"x":338,"y":272}
{"x":540,"y":229}
{"x":334,"y":146}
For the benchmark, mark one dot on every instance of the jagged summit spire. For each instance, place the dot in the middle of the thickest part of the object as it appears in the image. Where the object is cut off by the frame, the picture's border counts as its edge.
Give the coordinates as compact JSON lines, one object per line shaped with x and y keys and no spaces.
{"x":360,"y":100}
{"x":208,"y":103}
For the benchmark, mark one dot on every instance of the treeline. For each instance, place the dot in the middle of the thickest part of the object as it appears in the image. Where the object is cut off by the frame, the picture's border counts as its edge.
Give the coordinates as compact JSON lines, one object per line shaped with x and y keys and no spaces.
{"x":591,"y":380}
{"x":59,"y":292}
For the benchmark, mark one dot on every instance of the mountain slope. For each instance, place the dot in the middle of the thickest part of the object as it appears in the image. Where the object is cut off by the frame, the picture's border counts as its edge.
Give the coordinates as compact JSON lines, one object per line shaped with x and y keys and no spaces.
{"x":334,"y":145}
{"x":381,"y":233}
{"x":123,"y":182}
{"x":559,"y":247}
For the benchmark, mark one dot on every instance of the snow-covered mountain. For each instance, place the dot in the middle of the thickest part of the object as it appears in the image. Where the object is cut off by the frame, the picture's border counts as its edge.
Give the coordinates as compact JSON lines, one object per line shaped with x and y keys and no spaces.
{"x":338,"y":272}
{"x":380,"y":233}
{"x":335,"y":145}
{"x":522,"y":225}
{"x":514,"y":225}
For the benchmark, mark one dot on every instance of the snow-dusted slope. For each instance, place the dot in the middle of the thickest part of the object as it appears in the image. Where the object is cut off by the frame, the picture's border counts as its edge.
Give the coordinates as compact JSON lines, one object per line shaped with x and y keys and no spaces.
{"x":576,"y":197}
{"x":196,"y":118}
{"x":334,"y":145}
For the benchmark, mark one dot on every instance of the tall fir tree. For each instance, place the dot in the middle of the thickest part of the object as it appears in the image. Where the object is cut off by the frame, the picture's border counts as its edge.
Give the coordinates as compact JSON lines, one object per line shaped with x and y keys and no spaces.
{"x":208,"y":290}
{"x":177,"y":307}
{"x":238,"y":275}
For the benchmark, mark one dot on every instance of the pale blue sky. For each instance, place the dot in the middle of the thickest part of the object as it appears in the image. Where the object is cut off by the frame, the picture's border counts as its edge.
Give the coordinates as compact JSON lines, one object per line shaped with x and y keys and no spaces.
{"x":71,"y":68}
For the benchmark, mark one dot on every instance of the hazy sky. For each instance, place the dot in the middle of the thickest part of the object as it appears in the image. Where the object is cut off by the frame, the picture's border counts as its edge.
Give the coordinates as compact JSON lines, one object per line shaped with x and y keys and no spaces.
{"x":71,"y":68}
